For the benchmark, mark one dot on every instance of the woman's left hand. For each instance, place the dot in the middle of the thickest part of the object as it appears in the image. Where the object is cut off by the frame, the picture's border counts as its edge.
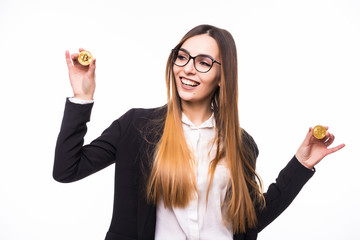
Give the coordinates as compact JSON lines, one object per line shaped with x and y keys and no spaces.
{"x":313,"y":150}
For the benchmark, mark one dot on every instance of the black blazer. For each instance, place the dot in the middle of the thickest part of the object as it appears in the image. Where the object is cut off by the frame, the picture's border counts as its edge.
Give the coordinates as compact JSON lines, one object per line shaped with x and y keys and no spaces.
{"x":128,"y":144}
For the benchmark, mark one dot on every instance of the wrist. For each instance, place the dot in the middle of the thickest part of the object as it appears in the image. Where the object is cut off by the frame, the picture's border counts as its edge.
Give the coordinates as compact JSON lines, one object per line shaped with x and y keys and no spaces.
{"x":304,"y":162}
{"x":84,"y":97}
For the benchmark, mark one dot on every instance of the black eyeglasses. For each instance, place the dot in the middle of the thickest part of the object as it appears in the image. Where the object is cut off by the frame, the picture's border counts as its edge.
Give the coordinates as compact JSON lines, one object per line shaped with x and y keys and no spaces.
{"x":203,"y":63}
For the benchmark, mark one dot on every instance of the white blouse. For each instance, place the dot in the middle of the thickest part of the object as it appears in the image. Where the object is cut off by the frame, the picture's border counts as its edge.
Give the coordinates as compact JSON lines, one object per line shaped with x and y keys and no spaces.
{"x":198,"y":221}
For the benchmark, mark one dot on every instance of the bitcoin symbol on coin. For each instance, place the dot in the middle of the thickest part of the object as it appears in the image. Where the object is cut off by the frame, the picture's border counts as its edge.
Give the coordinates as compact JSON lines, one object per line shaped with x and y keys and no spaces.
{"x":85,"y":58}
{"x":319,"y":132}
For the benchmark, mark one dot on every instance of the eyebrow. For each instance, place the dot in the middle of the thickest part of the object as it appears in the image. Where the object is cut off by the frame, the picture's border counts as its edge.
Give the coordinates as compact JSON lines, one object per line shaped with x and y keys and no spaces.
{"x":204,"y":55}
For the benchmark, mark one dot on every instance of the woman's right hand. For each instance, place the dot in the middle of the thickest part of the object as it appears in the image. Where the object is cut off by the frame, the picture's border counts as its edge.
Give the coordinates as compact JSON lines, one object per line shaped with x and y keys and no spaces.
{"x":82,"y":78}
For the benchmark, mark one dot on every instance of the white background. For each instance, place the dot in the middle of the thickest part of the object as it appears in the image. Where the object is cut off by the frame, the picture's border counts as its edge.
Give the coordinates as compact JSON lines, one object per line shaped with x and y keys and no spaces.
{"x":298,"y":67}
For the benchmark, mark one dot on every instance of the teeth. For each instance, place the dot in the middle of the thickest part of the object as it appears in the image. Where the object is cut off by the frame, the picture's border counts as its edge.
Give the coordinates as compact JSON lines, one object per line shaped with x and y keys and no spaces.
{"x":189,"y":82}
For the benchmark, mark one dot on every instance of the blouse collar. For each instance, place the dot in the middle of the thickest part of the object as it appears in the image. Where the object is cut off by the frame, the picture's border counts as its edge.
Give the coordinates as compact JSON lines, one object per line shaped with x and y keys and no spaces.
{"x":210,"y":123}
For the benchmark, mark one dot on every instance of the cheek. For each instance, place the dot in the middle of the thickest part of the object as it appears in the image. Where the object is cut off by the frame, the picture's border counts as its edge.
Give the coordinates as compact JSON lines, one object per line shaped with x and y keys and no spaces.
{"x":214,"y":79}
{"x":214,"y":76}
{"x":176,"y":70}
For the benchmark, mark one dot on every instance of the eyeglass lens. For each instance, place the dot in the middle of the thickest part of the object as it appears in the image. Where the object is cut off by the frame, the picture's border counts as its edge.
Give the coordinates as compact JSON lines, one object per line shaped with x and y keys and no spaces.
{"x":202,"y":63}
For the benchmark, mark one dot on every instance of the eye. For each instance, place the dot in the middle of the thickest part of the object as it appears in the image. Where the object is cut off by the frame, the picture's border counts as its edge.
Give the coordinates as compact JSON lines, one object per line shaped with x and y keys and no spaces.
{"x":204,"y":61}
{"x":181,"y":57}
{"x":205,"y":64}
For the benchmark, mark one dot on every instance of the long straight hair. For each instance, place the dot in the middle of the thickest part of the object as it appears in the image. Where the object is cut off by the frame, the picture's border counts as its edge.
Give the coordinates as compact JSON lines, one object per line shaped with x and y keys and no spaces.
{"x":172,"y":176}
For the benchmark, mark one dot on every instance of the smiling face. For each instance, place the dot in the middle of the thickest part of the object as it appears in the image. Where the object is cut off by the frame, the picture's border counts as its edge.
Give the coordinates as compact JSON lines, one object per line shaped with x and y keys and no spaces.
{"x":193,"y":86}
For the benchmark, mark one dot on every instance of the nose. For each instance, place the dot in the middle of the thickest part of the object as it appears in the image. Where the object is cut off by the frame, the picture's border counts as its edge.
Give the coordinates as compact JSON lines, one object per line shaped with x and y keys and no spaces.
{"x":189,"y":68}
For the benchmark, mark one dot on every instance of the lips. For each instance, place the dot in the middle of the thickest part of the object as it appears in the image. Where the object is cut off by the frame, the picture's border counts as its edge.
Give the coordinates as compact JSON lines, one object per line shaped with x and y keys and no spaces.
{"x":189,"y":82}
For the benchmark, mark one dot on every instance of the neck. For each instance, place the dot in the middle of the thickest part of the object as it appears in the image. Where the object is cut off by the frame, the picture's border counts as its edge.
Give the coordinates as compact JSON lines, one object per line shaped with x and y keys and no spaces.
{"x":197,"y":112}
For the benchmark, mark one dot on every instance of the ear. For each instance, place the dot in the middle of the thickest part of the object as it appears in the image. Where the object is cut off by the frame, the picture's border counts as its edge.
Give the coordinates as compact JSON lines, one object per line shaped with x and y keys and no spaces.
{"x":219,"y":79}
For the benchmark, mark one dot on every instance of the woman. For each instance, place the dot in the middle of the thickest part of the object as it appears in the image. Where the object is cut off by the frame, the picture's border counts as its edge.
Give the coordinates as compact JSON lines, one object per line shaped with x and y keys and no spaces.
{"x":185,"y":170}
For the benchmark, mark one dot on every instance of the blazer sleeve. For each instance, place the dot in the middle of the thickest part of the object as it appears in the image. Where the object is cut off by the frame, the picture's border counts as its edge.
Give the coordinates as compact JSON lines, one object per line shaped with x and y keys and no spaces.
{"x":73,"y":160}
{"x":283,"y":191}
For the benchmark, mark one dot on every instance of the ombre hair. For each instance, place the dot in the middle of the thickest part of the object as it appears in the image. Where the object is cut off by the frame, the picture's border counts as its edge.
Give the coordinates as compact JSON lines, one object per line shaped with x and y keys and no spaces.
{"x":172,"y":176}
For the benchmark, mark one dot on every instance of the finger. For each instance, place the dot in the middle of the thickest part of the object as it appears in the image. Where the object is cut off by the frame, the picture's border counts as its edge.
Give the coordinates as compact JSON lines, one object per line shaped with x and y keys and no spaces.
{"x":335,"y":149}
{"x":325,"y":139}
{"x":308,"y":137}
{"x":92,"y":67}
{"x":68,"y":60}
{"x":329,"y":140}
{"x":327,"y":135}
{"x":74,"y":57}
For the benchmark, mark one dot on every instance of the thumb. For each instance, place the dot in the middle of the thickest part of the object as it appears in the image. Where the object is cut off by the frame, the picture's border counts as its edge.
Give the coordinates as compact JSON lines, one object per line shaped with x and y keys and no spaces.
{"x":308,"y":137}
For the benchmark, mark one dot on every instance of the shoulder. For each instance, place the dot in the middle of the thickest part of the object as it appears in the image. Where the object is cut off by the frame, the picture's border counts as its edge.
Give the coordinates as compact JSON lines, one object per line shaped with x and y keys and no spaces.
{"x":150,"y":113}
{"x":145,"y":122}
{"x":144,"y":113}
{"x":135,"y":115}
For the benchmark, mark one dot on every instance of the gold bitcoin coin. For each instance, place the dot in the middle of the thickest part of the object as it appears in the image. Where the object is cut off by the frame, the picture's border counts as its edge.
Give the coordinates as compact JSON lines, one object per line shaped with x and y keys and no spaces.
{"x":85,"y":58}
{"x":319,"y":132}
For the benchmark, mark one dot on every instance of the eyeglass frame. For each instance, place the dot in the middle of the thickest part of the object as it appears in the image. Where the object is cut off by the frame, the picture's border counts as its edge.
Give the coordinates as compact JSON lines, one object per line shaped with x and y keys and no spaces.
{"x":173,"y":51}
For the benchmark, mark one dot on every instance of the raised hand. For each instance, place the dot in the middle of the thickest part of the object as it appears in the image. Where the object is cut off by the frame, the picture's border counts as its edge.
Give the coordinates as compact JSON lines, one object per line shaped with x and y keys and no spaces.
{"x":82,"y":78}
{"x":313,"y":150}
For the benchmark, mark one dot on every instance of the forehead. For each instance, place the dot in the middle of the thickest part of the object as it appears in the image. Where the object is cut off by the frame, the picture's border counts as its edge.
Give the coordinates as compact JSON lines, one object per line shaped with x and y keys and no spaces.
{"x":202,"y":44}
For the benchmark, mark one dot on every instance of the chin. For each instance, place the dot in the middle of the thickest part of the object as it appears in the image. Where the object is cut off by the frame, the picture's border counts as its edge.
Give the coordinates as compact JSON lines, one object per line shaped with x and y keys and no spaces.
{"x":186,"y":97}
